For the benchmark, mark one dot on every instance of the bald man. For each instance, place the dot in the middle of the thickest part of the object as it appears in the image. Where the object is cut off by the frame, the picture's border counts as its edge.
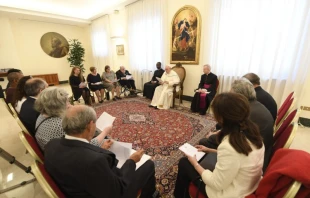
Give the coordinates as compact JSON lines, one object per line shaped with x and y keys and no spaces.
{"x":130,"y":83}
{"x":84,"y":170}
{"x":205,"y":92}
{"x":162,"y":98}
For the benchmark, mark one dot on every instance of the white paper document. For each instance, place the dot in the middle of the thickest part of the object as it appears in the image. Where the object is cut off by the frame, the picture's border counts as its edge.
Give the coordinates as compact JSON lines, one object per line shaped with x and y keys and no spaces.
{"x":203,"y":91}
{"x":123,"y":151}
{"x":82,"y":84}
{"x":97,"y":83}
{"x":159,"y":79}
{"x":128,"y":77}
{"x":115,"y":80}
{"x":191,"y":151}
{"x":104,"y":121}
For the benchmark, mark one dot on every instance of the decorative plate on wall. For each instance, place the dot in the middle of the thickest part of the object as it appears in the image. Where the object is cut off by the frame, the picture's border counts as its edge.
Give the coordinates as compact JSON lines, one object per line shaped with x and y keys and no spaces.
{"x":54,"y":45}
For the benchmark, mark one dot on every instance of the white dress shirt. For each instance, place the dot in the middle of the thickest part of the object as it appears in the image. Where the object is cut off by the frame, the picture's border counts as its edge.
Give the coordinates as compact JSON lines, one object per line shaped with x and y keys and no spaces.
{"x":69,"y":137}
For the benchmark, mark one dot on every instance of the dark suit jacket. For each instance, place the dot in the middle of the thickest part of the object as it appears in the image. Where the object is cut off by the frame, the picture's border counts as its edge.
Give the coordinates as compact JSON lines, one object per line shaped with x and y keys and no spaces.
{"x":83,"y":170}
{"x":120,"y":74}
{"x":267,"y":100}
{"x":158,"y":73}
{"x":28,"y":115}
{"x":209,"y":79}
{"x":260,"y":115}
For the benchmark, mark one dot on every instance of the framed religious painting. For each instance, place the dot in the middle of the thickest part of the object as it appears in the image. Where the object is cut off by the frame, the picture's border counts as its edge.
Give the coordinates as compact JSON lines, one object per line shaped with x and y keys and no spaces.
{"x":54,"y":44}
{"x":185,"y":36}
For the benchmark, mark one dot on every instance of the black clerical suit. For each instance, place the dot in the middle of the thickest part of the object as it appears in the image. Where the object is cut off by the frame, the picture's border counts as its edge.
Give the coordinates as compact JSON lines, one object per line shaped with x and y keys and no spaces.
{"x":210,"y":79}
{"x":149,"y":87}
{"x":82,"y":170}
{"x":129,"y":83}
{"x":28,"y":115}
{"x":267,"y":100}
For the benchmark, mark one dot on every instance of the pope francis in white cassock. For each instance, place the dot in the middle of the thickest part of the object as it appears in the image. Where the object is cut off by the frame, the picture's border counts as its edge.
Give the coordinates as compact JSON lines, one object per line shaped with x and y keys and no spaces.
{"x":162,"y":98}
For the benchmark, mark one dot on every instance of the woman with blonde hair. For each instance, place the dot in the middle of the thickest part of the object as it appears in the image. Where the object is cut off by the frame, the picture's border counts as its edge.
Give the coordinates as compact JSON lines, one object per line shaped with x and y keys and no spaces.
{"x":52,"y":104}
{"x":78,"y":85}
{"x":95,"y":84}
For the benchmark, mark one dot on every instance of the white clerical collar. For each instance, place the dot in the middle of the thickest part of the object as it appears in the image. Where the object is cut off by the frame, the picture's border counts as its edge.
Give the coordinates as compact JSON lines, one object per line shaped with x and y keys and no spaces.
{"x":69,"y":137}
{"x":33,"y":97}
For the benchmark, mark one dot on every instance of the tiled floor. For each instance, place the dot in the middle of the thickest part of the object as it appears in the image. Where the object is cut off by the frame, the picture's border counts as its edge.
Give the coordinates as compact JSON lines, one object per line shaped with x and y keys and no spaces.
{"x":11,"y":175}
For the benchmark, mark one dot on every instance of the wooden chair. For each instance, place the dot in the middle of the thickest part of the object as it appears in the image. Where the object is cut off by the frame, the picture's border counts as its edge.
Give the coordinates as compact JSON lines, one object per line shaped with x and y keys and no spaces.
{"x":286,"y":138}
{"x":12,"y":110}
{"x":46,"y":181}
{"x":180,"y":70}
{"x":32,"y":146}
{"x":22,"y":126}
{"x":287,"y":121}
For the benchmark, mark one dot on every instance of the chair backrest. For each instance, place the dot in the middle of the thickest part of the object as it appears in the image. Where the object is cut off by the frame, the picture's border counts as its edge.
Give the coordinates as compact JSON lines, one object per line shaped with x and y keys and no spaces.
{"x":285,"y":110}
{"x":288,"y":98}
{"x":287,"y":121}
{"x":286,"y":138}
{"x":22,"y":126}
{"x":180,"y":70}
{"x":32,"y":146}
{"x":46,"y":181}
{"x":13,"y":111}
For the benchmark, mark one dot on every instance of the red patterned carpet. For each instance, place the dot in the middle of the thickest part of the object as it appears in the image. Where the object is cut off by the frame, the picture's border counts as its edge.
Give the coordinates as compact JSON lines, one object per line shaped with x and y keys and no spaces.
{"x":158,"y":132}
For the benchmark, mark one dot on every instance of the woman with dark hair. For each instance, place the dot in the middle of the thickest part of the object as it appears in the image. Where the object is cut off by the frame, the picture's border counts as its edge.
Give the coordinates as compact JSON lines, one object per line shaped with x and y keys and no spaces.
{"x":110,"y":81}
{"x":78,"y":85}
{"x":95,"y":84}
{"x":20,"y":94}
{"x":240,"y":155}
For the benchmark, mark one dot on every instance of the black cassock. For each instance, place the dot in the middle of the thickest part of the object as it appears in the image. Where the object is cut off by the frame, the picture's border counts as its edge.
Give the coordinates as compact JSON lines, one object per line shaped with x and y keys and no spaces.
{"x":211,"y":81}
{"x":149,"y":88}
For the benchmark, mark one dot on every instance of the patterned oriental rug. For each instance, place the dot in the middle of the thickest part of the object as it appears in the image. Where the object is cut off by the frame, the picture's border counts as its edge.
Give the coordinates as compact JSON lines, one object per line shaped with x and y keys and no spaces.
{"x":159,"y":132}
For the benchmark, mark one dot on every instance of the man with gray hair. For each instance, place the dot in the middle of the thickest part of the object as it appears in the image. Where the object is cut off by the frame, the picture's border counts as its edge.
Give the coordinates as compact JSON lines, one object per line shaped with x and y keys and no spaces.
{"x":258,"y":114}
{"x":84,"y":170}
{"x":28,"y":115}
{"x":206,"y":91}
{"x":125,"y":79}
{"x":263,"y":96}
{"x":162,"y":98}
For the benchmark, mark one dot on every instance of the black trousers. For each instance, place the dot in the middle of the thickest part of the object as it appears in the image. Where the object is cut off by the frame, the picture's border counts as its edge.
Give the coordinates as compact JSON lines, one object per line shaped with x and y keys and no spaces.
{"x":129,"y":83}
{"x":149,"y":89}
{"x":145,"y":180}
{"x":187,"y":174}
{"x":210,"y":142}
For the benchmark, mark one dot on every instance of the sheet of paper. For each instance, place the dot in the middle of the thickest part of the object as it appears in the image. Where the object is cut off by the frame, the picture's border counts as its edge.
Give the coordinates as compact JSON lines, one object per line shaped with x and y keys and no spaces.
{"x":191,"y":151}
{"x":123,"y":151}
{"x":115,"y":80}
{"x":97,"y":83}
{"x":128,"y":77}
{"x":159,"y":79}
{"x":82,"y":84}
{"x":201,"y":91}
{"x":104,"y":121}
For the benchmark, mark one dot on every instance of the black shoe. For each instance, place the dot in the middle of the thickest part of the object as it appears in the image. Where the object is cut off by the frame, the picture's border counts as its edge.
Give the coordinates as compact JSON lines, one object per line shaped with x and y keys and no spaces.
{"x":156,"y":108}
{"x":151,"y":106}
{"x":118,"y":98}
{"x":114,"y":99}
{"x":202,"y":113}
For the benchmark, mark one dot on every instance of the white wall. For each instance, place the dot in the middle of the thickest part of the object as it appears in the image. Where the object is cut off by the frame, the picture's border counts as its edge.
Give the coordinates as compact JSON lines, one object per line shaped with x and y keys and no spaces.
{"x":22,"y":46}
{"x":118,"y":26}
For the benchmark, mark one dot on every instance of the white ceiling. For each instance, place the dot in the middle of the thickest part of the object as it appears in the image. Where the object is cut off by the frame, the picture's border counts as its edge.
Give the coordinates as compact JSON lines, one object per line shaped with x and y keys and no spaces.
{"x":75,"y":10}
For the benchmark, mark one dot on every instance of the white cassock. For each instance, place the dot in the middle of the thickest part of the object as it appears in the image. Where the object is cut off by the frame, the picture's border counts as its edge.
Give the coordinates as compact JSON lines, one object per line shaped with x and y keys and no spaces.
{"x":163,"y":94}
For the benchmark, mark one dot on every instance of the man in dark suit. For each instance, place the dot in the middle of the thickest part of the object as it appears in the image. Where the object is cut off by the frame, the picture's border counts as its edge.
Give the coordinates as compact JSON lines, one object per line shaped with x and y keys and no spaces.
{"x":149,"y":87}
{"x":83,"y":170}
{"x":263,"y":96}
{"x":208,"y":83}
{"x":28,"y":115}
{"x":259,"y":114}
{"x":129,"y":82}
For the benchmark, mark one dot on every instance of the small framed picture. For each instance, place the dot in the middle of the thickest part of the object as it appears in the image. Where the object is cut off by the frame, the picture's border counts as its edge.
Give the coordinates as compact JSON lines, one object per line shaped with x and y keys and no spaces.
{"x":120,"y":49}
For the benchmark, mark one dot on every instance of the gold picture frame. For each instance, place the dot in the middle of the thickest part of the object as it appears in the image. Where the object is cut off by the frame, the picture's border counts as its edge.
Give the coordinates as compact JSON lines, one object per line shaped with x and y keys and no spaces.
{"x":120,"y":50}
{"x":185,"y":36}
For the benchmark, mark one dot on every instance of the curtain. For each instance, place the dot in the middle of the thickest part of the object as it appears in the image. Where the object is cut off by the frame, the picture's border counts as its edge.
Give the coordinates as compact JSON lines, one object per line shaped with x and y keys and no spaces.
{"x":270,"y":38}
{"x":145,"y":30}
{"x":101,"y":45}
